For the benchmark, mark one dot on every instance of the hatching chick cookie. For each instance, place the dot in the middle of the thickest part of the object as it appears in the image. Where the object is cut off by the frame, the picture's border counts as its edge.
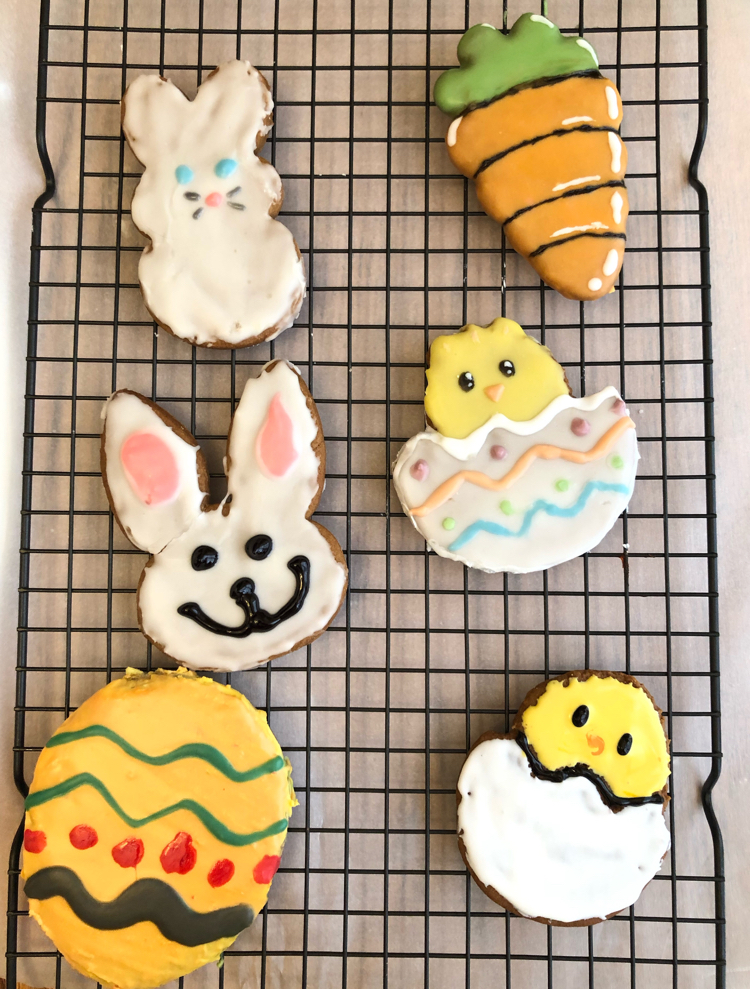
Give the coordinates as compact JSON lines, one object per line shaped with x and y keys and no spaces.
{"x":220,"y":270}
{"x":155,"y":823}
{"x":232,"y":585}
{"x":562,"y":819}
{"x":512,"y":473}
{"x":537,"y":126}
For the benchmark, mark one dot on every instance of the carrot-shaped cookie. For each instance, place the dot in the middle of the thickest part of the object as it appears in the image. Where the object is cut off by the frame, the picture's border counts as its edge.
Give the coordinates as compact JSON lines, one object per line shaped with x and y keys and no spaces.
{"x":536,"y":126}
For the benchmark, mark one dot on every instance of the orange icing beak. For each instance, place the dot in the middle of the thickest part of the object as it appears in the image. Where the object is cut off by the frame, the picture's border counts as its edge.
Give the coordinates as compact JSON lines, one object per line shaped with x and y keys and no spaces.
{"x":596,"y":744}
{"x":494,"y":392}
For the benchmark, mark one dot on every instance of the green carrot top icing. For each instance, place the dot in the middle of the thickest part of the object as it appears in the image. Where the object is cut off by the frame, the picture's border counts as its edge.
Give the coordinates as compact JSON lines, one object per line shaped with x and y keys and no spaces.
{"x":491,"y":62}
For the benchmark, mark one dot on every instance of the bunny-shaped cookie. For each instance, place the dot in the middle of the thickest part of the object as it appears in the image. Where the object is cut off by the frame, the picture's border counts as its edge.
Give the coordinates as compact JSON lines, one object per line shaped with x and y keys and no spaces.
{"x":232,"y":585}
{"x":220,"y":271}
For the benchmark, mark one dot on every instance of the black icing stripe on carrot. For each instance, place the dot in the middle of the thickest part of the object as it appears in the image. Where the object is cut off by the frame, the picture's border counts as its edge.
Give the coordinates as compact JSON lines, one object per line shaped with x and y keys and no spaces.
{"x":581,"y":769}
{"x":145,"y":899}
{"x":566,"y":240}
{"x":534,"y":84}
{"x":582,"y":191}
{"x":560,"y":132}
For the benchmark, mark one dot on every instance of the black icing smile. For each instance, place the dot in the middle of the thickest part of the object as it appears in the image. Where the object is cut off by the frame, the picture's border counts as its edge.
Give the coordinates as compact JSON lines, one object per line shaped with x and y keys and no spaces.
{"x":256,"y":619}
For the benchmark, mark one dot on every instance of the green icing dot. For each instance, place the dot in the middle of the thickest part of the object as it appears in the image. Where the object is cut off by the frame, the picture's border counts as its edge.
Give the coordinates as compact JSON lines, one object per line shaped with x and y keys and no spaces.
{"x":617,"y":462}
{"x":449,"y":523}
{"x":562,"y":484}
{"x":506,"y":508}
{"x":491,"y":62}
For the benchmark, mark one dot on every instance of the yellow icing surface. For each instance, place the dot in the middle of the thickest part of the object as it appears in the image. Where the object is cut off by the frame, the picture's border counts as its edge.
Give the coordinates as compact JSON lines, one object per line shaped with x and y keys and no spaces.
{"x":479,"y":350}
{"x":615,"y":708}
{"x":156,"y":713}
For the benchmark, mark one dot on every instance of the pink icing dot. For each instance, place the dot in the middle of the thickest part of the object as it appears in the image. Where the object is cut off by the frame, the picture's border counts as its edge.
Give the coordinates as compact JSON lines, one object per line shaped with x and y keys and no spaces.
{"x":150,"y":467}
{"x":498,"y":452}
{"x":419,"y":470}
{"x":275,"y":447}
{"x":618,"y":407}
{"x":580,"y":427}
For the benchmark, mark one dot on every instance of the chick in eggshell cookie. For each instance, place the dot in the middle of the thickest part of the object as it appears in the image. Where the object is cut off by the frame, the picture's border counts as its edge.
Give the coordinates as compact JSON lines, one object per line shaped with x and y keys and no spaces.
{"x":513,"y":473}
{"x":562,"y":819}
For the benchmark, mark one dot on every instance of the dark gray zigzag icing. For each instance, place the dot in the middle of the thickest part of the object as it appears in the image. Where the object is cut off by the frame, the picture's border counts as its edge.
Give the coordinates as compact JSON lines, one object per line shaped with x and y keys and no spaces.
{"x":145,"y":899}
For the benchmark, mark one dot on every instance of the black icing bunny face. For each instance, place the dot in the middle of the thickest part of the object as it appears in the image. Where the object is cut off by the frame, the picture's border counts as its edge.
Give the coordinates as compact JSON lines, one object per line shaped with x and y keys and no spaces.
{"x":224,"y":170}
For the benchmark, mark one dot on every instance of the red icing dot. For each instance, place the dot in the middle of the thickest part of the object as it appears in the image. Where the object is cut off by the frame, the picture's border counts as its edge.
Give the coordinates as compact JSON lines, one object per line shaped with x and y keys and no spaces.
{"x":83,"y":836}
{"x":179,"y":855}
{"x":221,"y":873}
{"x":128,"y":853}
{"x":265,"y":870}
{"x":34,"y":841}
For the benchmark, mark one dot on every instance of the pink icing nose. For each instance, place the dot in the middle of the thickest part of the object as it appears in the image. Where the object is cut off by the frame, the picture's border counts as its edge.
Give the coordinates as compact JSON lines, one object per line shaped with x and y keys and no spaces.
{"x":214,"y":199}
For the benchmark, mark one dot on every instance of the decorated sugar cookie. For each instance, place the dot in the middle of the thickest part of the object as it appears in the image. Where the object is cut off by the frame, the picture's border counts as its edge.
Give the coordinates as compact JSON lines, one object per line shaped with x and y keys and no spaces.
{"x":154,"y":826}
{"x":513,"y":474}
{"x":537,"y":127}
{"x":232,"y":585}
{"x":220,"y":271}
{"x":562,"y":819}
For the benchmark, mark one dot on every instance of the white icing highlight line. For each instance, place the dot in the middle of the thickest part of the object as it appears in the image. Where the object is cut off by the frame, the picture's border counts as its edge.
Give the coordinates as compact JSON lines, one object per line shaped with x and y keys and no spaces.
{"x":612,"y":108}
{"x":566,"y":185}
{"x":576,"y":120}
{"x":584,"y":44}
{"x":596,"y":225}
{"x":610,"y":265}
{"x":538,"y":19}
{"x":615,"y":146}
{"x":450,"y":137}
{"x":616,"y":202}
{"x":595,"y":284}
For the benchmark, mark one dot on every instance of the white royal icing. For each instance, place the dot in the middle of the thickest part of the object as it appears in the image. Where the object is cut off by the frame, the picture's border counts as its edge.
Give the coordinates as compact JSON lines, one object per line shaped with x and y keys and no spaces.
{"x":535,"y":536}
{"x":611,"y":262}
{"x":553,"y":850}
{"x":577,"y":120}
{"x":581,"y":181}
{"x":451,"y":136}
{"x":613,"y":108}
{"x":149,"y":527}
{"x":231,"y":274}
{"x":617,"y":202}
{"x":615,"y":146}
{"x":595,"y":284}
{"x":584,"y":44}
{"x":595,"y":225}
{"x":259,"y":501}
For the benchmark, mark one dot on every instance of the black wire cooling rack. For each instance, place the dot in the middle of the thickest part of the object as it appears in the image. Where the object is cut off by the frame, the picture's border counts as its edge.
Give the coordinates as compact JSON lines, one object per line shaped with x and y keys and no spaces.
{"x":377,"y":715}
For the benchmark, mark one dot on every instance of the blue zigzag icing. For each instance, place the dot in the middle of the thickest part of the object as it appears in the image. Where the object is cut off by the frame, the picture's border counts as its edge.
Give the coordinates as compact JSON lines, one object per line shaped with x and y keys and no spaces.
{"x":495,"y":529}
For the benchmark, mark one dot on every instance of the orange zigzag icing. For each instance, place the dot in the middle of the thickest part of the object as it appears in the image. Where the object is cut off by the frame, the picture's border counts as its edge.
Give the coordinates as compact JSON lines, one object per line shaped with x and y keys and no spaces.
{"x":542,"y":451}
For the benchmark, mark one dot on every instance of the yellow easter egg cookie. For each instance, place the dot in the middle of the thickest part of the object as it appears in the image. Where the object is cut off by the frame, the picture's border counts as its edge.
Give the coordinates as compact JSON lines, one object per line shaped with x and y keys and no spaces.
{"x":154,"y":825}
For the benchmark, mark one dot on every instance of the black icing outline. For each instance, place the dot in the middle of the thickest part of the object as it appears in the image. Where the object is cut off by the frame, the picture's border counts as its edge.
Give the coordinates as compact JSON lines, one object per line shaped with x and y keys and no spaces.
{"x":559,"y":132}
{"x":256,"y":618}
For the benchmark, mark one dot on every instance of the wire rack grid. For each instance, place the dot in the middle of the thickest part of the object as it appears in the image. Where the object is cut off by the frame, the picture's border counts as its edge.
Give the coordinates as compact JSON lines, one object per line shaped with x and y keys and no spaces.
{"x":377,"y":715}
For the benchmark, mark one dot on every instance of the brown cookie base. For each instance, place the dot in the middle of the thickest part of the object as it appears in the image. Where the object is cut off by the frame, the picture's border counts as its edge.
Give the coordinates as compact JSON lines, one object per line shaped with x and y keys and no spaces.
{"x":530,"y":700}
{"x":273,"y":211}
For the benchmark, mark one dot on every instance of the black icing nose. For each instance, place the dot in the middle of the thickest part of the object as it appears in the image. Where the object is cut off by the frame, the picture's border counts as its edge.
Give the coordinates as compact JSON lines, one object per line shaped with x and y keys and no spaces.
{"x":243,"y":587}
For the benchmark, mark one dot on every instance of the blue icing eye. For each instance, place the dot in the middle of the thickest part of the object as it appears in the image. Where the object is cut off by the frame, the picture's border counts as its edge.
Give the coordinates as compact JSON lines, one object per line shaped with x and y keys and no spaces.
{"x":183,"y":174}
{"x":225,"y":167}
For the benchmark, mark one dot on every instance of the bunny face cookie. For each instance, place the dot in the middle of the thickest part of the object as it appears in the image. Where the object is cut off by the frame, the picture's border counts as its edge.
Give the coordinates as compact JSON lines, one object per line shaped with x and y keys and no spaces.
{"x":233,"y":585}
{"x":220,"y":270}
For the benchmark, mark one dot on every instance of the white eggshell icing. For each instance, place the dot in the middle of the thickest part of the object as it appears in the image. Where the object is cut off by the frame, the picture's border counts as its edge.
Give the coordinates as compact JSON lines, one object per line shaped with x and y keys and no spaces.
{"x":149,"y":527}
{"x":540,"y":525}
{"x":553,"y":850}
{"x":256,"y":504}
{"x":231,"y":273}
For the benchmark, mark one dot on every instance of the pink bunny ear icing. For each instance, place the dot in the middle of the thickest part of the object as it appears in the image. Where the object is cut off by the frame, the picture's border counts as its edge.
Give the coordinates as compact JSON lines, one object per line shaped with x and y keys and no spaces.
{"x":275,"y":448}
{"x":150,"y":467}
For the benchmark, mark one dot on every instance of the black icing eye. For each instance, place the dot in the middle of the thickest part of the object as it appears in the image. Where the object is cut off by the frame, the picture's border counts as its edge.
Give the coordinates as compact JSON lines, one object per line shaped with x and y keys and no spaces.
{"x":625,"y":744}
{"x":580,"y":716}
{"x":466,"y":381}
{"x":192,"y":196}
{"x":507,"y":368}
{"x":258,"y":547}
{"x":204,"y":557}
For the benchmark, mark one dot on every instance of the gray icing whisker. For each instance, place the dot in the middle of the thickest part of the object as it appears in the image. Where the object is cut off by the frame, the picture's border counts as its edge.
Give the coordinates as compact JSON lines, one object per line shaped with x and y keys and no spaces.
{"x":235,"y":205}
{"x":233,"y":192}
{"x":197,"y":213}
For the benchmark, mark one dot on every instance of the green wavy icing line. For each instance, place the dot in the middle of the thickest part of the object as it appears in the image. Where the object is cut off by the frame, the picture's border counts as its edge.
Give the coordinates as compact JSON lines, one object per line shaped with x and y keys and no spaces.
{"x":193,"y":750}
{"x":491,"y":62}
{"x":211,"y":823}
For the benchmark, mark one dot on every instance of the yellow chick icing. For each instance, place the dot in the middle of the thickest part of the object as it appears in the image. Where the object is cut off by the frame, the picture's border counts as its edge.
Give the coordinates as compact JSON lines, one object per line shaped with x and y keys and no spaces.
{"x":608,"y":724}
{"x":483,"y":370}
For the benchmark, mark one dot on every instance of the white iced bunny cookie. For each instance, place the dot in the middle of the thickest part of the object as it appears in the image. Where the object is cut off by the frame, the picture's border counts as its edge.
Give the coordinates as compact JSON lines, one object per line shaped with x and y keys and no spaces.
{"x":513,"y":473}
{"x":220,"y":271}
{"x":232,"y":585}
